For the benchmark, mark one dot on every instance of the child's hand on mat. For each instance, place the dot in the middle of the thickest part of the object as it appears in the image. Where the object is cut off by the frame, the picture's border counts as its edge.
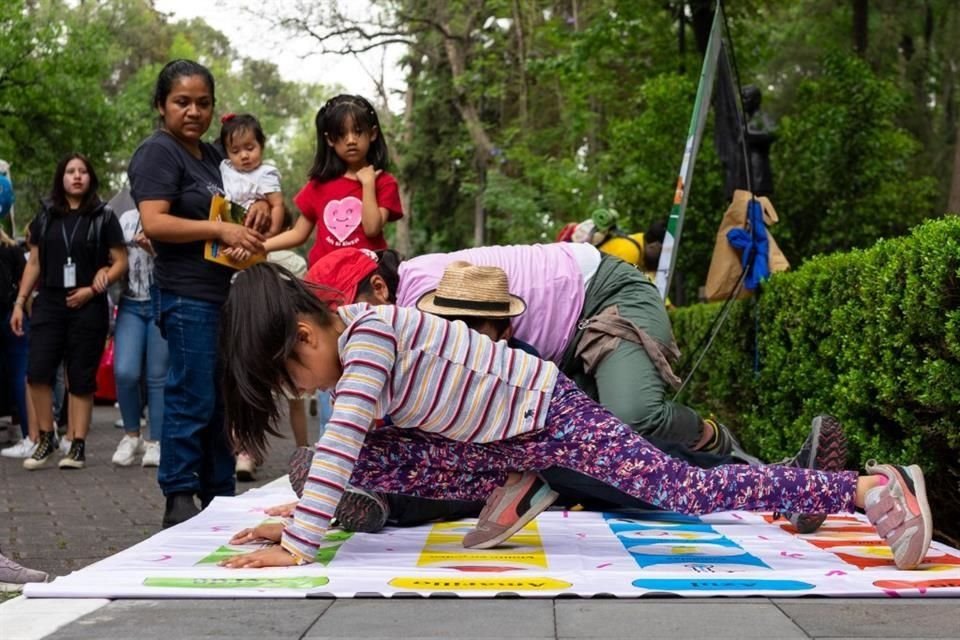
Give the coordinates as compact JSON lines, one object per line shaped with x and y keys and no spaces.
{"x":275,"y":556}
{"x":282,"y":510}
{"x":271,"y":531}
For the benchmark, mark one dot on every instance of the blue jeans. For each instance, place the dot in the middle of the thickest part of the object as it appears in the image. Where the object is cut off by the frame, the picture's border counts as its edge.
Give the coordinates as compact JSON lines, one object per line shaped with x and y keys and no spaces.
{"x":140,"y":355}
{"x":195,"y":454}
{"x":14,"y":350}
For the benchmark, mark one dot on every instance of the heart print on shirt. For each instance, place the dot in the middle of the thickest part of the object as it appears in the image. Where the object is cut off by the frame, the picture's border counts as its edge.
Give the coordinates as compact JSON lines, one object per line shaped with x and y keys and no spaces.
{"x":342,"y":217}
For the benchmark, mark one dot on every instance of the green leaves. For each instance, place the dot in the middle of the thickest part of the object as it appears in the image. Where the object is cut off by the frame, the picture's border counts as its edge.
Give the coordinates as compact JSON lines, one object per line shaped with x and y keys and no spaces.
{"x":81,"y":78}
{"x":871,"y":336}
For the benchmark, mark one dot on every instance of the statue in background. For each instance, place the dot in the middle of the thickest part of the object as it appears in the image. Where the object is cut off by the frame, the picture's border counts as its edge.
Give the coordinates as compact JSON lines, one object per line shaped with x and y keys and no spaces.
{"x":761,"y":134}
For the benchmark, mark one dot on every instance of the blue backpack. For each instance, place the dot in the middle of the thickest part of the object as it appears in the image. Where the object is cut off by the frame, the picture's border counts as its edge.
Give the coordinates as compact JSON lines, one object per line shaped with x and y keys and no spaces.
{"x":6,"y":196}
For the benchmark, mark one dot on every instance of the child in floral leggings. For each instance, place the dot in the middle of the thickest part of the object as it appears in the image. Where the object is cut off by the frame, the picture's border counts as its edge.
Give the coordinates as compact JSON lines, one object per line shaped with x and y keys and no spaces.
{"x":474,"y":419}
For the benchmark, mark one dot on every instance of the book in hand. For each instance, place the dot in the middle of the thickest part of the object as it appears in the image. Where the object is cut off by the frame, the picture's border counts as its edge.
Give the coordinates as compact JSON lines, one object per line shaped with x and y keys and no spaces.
{"x":222,"y":210}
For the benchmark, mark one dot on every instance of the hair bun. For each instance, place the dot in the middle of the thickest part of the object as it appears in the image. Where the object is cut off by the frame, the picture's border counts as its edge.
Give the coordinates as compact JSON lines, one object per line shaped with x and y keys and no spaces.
{"x":227,"y":117}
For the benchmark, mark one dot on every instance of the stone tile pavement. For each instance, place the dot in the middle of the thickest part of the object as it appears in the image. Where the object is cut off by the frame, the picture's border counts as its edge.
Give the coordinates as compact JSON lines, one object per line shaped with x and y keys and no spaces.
{"x":59,"y":521}
{"x":529,"y":619}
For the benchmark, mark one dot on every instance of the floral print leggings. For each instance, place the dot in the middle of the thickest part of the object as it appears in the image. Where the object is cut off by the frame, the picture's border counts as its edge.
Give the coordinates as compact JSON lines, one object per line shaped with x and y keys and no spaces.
{"x":581,"y":435}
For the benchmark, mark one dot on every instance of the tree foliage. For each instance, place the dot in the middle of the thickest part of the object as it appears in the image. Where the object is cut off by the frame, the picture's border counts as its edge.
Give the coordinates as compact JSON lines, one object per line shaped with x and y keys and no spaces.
{"x":81,"y":77}
{"x":522,"y":115}
{"x":587,"y":103}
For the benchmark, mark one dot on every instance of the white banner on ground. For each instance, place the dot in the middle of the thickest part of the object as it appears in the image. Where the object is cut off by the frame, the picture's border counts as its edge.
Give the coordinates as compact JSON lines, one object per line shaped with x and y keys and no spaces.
{"x":561,"y":553}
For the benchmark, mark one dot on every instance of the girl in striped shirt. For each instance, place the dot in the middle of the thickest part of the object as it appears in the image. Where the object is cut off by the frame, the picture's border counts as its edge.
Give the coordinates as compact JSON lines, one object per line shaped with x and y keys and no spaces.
{"x":473,"y":419}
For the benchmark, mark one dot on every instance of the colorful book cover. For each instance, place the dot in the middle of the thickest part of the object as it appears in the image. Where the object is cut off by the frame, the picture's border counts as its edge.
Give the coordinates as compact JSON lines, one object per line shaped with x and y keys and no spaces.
{"x":221,"y":210}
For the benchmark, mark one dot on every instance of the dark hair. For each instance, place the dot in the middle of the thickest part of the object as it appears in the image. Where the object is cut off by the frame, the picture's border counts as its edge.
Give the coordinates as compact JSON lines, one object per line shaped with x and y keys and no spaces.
{"x":653,"y":236}
{"x":331,"y":123}
{"x":258,"y":334}
{"x":499,"y":324}
{"x":388,"y":268}
{"x":232,"y":125}
{"x":58,"y":195}
{"x":178,"y":69}
{"x":655,"y":232}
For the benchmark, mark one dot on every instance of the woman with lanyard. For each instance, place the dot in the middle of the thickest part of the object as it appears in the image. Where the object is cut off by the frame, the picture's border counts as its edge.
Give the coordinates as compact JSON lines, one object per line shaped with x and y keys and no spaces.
{"x":173,"y":177}
{"x":76,"y":252}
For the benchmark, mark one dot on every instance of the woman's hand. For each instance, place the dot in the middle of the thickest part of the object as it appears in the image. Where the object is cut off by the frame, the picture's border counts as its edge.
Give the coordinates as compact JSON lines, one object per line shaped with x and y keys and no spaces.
{"x":273,"y":556}
{"x":258,"y":216}
{"x":144,"y":243}
{"x":101,"y":280}
{"x":368,"y":175}
{"x":235,"y":235}
{"x":16,"y":323}
{"x":282,"y":510}
{"x":271,"y":531}
{"x":80,"y":297}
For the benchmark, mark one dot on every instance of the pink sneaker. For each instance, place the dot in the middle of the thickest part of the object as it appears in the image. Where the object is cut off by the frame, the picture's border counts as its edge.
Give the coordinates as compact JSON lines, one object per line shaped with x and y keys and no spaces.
{"x":900,"y":512}
{"x":508,"y":509}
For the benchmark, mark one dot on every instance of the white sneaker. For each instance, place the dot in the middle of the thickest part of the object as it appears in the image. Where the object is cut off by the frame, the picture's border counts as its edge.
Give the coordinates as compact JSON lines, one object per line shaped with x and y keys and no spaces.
{"x":64,"y":445}
{"x":151,"y":454}
{"x":246,"y":468}
{"x":127,"y":451}
{"x":23,"y":449}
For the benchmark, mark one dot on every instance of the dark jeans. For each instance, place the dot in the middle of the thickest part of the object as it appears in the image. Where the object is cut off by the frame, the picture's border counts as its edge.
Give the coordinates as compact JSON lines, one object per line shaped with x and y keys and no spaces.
{"x":195,"y":456}
{"x":574,"y":488}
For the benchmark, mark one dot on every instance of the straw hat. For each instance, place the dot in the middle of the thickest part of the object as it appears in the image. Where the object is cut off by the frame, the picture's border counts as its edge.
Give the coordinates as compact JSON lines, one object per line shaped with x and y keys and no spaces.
{"x":468,"y":290}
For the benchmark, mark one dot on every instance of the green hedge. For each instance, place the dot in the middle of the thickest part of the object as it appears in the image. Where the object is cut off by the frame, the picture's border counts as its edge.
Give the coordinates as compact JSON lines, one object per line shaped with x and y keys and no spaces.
{"x":871,"y":336}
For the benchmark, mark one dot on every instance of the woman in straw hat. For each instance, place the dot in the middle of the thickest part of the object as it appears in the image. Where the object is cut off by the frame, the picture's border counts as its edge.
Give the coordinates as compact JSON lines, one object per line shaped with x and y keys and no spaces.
{"x":600,"y":319}
{"x":481,"y":297}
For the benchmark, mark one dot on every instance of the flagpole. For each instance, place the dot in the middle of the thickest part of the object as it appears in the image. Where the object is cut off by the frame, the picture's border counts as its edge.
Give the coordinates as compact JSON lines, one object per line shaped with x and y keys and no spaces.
{"x":671,"y":240}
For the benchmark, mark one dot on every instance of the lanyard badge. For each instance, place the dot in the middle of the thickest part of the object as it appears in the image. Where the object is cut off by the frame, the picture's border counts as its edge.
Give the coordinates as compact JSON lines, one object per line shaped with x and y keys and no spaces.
{"x":69,"y":269}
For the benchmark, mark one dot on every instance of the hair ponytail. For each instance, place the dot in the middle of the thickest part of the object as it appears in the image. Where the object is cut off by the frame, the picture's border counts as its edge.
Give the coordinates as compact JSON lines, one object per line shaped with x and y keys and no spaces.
{"x":258,"y":334}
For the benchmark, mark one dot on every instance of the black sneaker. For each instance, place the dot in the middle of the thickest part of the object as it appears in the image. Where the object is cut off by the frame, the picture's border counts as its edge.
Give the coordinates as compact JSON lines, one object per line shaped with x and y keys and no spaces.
{"x":76,"y":458}
{"x":361,"y":511}
{"x":825,"y":449}
{"x":180,"y":508}
{"x":44,"y":452}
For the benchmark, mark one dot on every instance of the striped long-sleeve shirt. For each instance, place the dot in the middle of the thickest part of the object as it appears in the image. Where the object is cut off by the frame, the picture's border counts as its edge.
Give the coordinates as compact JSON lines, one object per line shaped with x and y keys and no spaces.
{"x":425,"y":373}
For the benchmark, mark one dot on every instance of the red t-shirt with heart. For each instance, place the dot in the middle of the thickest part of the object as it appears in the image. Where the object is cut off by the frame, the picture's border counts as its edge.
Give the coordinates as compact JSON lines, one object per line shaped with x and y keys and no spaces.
{"x":335,"y":207}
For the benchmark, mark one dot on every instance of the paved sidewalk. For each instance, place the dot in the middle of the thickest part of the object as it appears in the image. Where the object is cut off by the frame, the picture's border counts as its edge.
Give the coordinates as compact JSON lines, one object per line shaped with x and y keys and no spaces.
{"x":376,"y":619}
{"x":59,"y":521}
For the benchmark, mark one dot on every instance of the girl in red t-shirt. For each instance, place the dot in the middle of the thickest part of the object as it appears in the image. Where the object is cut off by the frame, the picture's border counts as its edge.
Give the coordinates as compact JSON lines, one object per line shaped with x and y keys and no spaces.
{"x":350,"y":197}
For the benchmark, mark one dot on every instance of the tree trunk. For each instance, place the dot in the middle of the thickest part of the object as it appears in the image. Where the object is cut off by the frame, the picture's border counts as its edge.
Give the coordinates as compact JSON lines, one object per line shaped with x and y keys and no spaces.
{"x":468,"y":110}
{"x":953,"y":204}
{"x":701,"y":17}
{"x":682,"y":39}
{"x":483,"y":145}
{"x":404,"y":243}
{"x":861,"y":19}
{"x":521,"y":63}
{"x":479,"y":210}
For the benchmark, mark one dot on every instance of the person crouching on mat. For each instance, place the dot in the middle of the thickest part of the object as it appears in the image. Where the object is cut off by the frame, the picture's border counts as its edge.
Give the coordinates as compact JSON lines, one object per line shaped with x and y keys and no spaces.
{"x":474,"y":419}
